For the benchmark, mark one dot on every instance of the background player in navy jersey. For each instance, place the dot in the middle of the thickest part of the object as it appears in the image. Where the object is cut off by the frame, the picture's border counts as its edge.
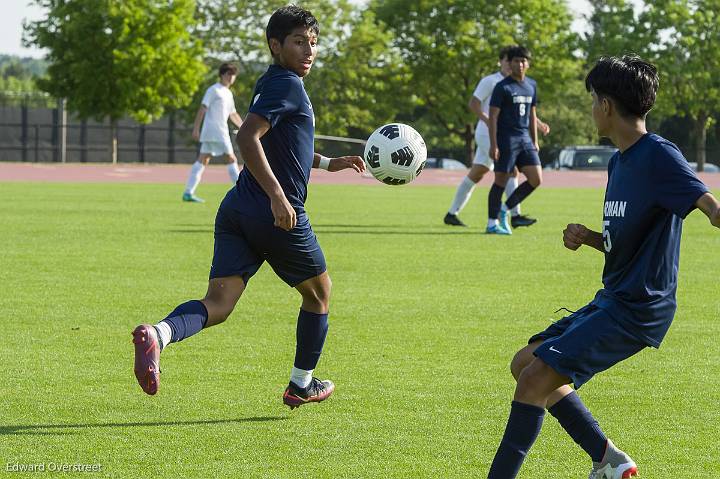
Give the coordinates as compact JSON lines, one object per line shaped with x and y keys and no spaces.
{"x":480,"y":105}
{"x":650,"y":189}
{"x":263,"y":217}
{"x":513,"y":139}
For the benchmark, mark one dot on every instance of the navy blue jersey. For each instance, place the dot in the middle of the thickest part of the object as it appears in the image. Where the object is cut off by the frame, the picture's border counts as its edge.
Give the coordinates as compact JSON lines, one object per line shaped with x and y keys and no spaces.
{"x":281,"y":99}
{"x":515,"y":100}
{"x":651,"y":189}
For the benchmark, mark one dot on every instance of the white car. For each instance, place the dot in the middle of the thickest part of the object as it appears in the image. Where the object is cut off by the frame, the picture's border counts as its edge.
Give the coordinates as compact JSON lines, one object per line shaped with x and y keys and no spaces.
{"x":445,"y":164}
{"x":584,"y":158}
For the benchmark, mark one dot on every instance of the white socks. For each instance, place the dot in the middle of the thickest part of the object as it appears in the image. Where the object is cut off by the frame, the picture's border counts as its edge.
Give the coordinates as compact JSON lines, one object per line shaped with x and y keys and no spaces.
{"x":462,"y":195}
{"x":511,"y":185}
{"x":301,"y":377}
{"x":233,"y":171}
{"x":165,"y":333}
{"x":493,"y":222}
{"x":194,"y":180}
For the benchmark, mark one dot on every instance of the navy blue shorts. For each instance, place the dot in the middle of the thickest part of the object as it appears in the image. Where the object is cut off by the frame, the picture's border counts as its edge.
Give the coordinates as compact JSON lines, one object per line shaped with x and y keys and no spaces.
{"x":243,"y":243}
{"x":585,"y":343}
{"x":523,"y":155}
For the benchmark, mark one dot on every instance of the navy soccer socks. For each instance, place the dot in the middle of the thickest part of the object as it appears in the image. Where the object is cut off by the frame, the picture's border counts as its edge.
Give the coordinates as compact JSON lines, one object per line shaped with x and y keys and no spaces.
{"x":580,"y":424}
{"x":522,"y":429}
{"x":311,"y":331}
{"x":520,"y":193}
{"x":494,"y":201}
{"x":185,"y":320}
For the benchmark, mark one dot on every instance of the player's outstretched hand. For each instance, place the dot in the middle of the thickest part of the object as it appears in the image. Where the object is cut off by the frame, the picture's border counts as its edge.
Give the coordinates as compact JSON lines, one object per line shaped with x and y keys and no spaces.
{"x":574,"y":236}
{"x":345,"y":162}
{"x":284,"y":213}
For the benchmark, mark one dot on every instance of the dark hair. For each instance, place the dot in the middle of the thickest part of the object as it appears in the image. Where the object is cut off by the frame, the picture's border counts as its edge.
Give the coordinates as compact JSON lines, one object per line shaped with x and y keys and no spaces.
{"x":286,"y":19}
{"x":227,"y":68}
{"x":519,"y":52}
{"x":629,"y":81}
{"x":505,"y":50}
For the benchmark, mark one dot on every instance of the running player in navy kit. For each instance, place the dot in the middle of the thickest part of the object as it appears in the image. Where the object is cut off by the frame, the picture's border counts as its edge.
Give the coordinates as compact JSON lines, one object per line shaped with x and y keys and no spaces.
{"x":650,"y":189}
{"x":263,"y":217}
{"x":513,"y":139}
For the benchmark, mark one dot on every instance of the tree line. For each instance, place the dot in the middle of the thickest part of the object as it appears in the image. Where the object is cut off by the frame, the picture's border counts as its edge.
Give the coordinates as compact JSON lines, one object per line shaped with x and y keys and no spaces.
{"x":387,"y":60}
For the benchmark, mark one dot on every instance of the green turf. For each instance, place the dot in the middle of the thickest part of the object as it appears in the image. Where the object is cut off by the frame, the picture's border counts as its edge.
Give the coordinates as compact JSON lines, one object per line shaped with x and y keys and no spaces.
{"x":424,"y":321}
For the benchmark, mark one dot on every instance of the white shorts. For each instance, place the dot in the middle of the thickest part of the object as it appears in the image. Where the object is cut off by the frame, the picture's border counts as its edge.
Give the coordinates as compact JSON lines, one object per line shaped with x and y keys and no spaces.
{"x":217,"y":148}
{"x":481,"y":152}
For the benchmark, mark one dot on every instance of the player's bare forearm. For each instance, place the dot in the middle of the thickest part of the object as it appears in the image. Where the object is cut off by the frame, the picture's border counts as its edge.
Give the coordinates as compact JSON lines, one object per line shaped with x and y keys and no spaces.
{"x":533,"y":126}
{"x":476,"y":107}
{"x":576,"y":235}
{"x":235,"y":118}
{"x":709,"y":205}
{"x":198,"y":121}
{"x":339,"y":163}
{"x":492,"y":130}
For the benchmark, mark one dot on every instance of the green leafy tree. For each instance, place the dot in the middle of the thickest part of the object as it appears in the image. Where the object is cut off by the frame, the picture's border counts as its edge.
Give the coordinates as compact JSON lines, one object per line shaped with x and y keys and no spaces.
{"x":351,"y":85}
{"x":114,"y":58}
{"x":448,"y":46}
{"x":686,"y":52}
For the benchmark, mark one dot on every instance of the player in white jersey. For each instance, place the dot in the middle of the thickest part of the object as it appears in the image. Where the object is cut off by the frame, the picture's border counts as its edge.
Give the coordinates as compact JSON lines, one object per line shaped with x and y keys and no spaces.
{"x":217,"y":107}
{"x":480,"y":105}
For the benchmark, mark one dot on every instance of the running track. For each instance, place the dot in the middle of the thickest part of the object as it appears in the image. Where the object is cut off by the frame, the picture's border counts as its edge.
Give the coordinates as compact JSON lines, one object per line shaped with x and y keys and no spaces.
{"x":163,"y":173}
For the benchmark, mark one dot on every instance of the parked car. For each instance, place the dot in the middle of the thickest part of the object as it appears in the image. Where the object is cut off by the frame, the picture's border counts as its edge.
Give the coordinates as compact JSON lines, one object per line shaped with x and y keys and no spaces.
{"x":445,"y":164}
{"x":709,"y":167}
{"x":584,"y":158}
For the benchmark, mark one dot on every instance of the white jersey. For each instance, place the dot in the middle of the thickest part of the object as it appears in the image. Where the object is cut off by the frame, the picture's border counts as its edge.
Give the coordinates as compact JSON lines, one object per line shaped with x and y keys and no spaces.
{"x":220,"y":104}
{"x":483,"y":92}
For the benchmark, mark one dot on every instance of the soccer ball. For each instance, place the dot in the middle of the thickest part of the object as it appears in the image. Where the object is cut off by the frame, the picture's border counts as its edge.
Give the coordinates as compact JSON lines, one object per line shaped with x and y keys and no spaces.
{"x":395,"y":154}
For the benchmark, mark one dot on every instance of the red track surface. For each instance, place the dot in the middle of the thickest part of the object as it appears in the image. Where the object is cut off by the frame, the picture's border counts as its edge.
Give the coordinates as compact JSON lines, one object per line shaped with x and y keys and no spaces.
{"x":163,"y":173}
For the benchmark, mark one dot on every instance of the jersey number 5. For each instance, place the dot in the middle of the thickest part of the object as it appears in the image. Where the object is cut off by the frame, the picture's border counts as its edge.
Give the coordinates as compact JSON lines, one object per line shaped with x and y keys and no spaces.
{"x":522,"y":109}
{"x":607,"y":242}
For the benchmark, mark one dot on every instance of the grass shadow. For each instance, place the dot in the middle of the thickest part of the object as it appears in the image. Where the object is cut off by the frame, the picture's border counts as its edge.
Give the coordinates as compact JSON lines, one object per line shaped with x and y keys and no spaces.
{"x":60,"y":429}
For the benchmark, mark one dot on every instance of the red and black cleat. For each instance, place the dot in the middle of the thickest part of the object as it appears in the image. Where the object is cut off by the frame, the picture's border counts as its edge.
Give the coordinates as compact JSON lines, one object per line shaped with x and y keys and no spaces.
{"x":147,"y":358}
{"x":316,"y":391}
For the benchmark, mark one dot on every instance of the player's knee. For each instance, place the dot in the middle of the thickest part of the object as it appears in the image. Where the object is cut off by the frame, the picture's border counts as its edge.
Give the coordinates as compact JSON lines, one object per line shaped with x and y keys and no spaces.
{"x":531,"y":378}
{"x":518,"y":363}
{"x":535,"y":182}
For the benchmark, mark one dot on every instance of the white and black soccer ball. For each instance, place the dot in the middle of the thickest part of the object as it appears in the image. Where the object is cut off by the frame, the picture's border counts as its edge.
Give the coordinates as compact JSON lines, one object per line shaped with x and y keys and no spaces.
{"x":395,"y":154}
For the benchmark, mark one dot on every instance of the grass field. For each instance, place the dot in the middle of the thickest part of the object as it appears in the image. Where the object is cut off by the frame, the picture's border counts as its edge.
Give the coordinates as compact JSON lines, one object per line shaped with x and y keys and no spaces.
{"x":424,"y":321}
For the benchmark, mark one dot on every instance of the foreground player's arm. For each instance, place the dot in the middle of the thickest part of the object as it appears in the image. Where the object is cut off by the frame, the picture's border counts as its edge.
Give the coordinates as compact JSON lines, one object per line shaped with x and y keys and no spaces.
{"x":534,"y":127}
{"x":235,"y":118}
{"x":492,"y":127}
{"x":710,"y":206}
{"x":339,"y":163}
{"x":248,"y":140}
{"x":576,"y":235}
{"x":475,"y":106}
{"x":198,"y":121}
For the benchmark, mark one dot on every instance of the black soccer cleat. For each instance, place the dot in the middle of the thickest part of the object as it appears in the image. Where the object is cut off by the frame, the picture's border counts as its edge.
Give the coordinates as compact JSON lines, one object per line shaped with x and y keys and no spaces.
{"x":522,"y":220}
{"x":453,"y":220}
{"x":316,"y":391}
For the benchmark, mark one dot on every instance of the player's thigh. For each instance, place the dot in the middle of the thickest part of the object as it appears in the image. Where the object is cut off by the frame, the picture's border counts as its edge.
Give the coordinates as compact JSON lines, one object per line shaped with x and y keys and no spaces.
{"x":506,"y":161}
{"x":523,"y":358}
{"x":591,"y":342}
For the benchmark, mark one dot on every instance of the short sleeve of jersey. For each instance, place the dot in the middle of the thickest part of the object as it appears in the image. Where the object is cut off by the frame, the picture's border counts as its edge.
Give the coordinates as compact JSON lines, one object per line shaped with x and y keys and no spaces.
{"x":497,"y":96}
{"x":208,"y":97}
{"x":484,"y":89}
{"x":280,"y":96}
{"x":677,"y":186}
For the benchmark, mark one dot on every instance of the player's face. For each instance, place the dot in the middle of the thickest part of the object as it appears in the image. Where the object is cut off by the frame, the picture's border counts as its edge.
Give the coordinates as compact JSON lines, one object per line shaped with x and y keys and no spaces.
{"x":505,"y":66}
{"x":519,"y":66}
{"x":229,"y":79}
{"x":297,"y":52}
{"x":599,"y":114}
